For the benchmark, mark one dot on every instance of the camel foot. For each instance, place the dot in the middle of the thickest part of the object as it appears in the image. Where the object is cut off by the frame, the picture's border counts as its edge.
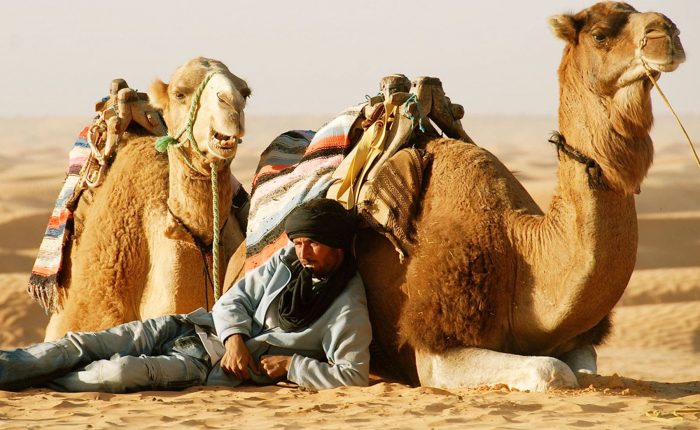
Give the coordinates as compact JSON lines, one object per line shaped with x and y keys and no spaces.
{"x":475,"y":367}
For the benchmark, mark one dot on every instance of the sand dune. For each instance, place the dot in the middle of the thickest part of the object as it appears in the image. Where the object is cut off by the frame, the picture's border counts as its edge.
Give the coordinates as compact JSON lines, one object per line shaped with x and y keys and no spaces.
{"x":649,"y":367}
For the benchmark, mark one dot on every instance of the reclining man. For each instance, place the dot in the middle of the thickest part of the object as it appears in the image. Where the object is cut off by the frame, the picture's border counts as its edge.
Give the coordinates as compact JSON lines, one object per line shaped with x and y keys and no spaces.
{"x":301,"y":316}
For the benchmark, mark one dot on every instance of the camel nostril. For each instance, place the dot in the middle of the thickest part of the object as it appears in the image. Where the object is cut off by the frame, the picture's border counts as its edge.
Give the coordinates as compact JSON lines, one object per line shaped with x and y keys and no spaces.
{"x":654,"y":32}
{"x":659,"y":28}
{"x":222,"y":98}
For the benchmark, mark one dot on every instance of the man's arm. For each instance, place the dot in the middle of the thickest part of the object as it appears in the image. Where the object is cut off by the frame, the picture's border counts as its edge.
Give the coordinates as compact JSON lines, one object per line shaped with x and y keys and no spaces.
{"x":237,"y":359}
{"x":233,"y":317}
{"x":346,"y":344}
{"x":233,"y":312}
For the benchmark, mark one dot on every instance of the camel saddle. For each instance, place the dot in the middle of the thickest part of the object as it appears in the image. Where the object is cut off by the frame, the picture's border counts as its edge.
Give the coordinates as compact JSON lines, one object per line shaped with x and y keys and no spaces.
{"x":381,"y":177}
{"x":124,"y":109}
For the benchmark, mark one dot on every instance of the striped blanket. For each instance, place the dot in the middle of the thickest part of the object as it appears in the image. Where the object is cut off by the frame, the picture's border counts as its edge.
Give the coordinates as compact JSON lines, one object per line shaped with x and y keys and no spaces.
{"x":45,"y":277}
{"x":295,"y":168}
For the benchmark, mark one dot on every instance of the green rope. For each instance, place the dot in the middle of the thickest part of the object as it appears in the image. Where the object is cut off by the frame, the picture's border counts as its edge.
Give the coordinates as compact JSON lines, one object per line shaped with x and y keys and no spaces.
{"x":193,"y":113}
{"x":215,"y":243}
{"x":166,"y":142}
{"x":189,"y":164}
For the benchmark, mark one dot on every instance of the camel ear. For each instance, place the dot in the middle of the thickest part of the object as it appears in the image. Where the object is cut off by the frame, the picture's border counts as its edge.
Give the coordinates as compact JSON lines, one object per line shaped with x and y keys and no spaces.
{"x":158,"y":95}
{"x":245,"y":92}
{"x":241,"y":86}
{"x":564,"y":27}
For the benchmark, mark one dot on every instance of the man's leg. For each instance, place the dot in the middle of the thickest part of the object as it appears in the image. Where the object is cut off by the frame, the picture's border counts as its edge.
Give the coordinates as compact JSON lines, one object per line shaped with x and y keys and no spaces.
{"x":25,"y":367}
{"x":122,"y":374}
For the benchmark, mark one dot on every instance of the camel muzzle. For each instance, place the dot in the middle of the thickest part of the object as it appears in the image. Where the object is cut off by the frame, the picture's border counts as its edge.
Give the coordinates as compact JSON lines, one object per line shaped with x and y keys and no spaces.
{"x":661,"y":46}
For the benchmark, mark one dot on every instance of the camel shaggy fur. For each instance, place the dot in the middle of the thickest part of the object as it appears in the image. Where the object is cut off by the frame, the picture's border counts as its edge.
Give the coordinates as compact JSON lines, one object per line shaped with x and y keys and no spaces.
{"x":136,"y":251}
{"x":496,"y":291}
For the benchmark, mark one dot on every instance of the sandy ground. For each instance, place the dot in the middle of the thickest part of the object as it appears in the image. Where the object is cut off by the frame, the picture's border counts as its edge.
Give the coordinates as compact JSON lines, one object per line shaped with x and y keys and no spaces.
{"x":649,"y":369}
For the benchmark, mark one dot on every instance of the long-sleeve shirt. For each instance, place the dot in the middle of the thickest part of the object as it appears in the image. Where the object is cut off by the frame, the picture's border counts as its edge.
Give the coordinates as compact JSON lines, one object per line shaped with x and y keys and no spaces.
{"x":333,"y":351}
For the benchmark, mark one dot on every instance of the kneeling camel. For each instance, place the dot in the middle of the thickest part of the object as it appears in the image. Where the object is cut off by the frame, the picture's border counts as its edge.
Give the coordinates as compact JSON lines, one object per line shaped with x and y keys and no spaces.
{"x":140,"y":243}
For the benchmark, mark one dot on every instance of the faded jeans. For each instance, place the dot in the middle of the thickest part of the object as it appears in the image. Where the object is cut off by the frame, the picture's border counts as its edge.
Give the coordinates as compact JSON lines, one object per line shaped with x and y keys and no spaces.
{"x":157,"y":354}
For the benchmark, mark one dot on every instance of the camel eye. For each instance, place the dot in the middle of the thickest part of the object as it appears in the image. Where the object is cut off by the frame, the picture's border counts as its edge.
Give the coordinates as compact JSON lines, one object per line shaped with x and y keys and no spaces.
{"x":180,"y":96}
{"x":599,"y":37}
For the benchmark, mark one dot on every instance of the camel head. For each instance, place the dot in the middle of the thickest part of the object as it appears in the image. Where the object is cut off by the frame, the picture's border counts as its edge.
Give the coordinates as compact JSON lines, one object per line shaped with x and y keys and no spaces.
{"x":219,"y":123}
{"x":604,"y":84}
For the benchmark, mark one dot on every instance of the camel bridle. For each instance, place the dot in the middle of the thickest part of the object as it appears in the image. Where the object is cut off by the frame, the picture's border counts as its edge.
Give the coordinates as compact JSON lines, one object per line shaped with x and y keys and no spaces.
{"x":593,"y":169}
{"x":648,"y":70}
{"x":164,"y":144}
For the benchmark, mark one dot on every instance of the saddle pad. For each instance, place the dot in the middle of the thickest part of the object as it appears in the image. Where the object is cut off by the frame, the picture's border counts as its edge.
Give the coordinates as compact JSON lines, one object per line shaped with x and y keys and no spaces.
{"x":296,"y":167}
{"x":44,"y":280}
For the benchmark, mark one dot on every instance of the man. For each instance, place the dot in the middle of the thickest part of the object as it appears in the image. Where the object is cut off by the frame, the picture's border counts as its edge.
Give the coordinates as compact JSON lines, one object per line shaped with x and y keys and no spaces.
{"x":301,"y":316}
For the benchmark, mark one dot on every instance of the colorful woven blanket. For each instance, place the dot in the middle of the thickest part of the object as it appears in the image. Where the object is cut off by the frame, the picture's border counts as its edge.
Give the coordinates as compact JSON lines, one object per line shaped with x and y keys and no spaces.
{"x":45,"y":278}
{"x":295,"y":168}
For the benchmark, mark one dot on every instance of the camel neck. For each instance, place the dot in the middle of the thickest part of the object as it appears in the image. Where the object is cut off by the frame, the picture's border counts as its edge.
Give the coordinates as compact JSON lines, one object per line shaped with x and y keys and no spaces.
{"x":584,"y":248}
{"x":190,"y":198}
{"x":590,"y":230}
{"x":581,"y":255}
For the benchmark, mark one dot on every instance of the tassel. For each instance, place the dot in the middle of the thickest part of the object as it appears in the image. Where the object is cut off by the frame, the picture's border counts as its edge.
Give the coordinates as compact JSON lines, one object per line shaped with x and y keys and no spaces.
{"x":163,"y":142}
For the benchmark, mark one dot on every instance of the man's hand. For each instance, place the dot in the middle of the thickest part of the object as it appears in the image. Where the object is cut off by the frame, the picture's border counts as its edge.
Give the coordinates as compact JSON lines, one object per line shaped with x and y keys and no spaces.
{"x":237,"y":358}
{"x":275,"y":366}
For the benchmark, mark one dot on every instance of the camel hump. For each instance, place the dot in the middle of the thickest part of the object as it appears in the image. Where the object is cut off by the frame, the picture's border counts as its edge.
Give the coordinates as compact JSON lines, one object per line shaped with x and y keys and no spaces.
{"x":381,"y":178}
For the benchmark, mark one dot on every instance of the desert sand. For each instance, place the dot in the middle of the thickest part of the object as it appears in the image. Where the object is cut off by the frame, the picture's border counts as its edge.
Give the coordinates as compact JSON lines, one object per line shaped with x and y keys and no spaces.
{"x":649,"y":368}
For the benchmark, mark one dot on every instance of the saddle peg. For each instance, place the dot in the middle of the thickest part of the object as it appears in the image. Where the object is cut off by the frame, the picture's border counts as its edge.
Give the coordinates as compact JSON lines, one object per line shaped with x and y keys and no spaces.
{"x":397,"y":83}
{"x":116,"y":85}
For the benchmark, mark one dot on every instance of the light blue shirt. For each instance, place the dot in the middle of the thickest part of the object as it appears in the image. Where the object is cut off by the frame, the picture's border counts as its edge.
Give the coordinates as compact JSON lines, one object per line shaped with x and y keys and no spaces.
{"x":331,"y":352}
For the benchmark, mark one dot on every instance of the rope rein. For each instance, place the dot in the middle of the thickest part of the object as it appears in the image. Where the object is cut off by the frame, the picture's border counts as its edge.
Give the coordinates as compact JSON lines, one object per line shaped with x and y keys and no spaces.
{"x":680,"y":124}
{"x":164,"y":144}
{"x":215,"y":243}
{"x":648,"y":70}
{"x":595,"y":173}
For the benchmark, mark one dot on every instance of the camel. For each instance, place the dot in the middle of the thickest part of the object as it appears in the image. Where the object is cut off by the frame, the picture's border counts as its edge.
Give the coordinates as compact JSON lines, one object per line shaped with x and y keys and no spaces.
{"x":140,"y":242}
{"x":498,"y":292}
{"x":495,"y":291}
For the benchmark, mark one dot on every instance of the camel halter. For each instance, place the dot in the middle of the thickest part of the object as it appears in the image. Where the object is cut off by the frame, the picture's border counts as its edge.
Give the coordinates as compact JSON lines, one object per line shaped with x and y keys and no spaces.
{"x":648,"y":70}
{"x":593,"y":169}
{"x":166,"y":142}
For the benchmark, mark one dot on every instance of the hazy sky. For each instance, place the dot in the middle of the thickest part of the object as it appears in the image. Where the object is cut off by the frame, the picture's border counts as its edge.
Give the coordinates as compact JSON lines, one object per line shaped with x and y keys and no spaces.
{"x":305,"y":56}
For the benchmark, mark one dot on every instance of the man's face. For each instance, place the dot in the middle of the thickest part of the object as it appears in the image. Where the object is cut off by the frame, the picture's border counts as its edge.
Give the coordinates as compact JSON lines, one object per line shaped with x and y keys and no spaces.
{"x":321,"y":259}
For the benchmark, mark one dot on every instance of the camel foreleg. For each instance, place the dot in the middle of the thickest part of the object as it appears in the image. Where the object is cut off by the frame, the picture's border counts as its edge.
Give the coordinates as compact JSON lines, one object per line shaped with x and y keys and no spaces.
{"x":474,"y":367}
